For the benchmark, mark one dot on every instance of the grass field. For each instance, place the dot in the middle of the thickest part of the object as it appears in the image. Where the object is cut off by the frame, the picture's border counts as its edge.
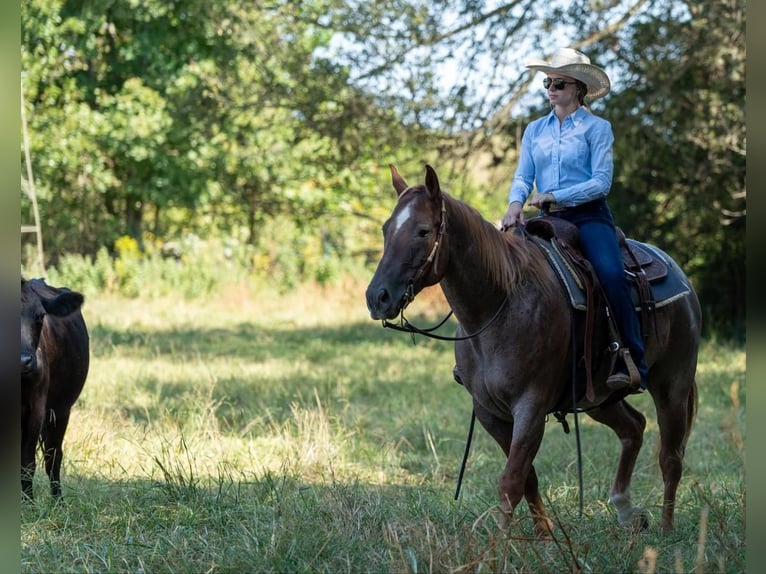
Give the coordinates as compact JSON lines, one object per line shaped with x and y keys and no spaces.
{"x":260,"y":432}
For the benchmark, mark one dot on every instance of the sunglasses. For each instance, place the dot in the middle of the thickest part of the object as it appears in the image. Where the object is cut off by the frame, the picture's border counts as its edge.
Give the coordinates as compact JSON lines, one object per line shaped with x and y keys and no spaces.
{"x":558,"y":83}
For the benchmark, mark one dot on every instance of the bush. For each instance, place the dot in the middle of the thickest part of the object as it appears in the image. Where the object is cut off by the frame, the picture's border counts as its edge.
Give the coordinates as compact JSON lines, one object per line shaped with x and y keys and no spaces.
{"x":194,"y":268}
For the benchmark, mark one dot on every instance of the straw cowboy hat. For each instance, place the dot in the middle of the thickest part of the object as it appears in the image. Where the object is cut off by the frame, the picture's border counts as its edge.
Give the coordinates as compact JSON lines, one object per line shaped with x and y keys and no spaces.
{"x":575,"y":64}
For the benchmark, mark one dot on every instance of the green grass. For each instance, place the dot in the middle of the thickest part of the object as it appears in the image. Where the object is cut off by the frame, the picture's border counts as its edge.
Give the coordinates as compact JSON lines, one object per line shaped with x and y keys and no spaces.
{"x":258,"y":432}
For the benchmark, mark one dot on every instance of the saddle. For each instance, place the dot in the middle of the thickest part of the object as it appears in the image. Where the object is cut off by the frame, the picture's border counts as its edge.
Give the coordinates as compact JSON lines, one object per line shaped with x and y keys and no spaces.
{"x":641,"y":267}
{"x":638,"y":262}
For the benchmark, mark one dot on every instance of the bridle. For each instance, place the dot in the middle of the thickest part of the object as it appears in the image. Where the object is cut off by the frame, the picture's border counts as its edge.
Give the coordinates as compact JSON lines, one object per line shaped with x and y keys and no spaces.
{"x":409,"y":295}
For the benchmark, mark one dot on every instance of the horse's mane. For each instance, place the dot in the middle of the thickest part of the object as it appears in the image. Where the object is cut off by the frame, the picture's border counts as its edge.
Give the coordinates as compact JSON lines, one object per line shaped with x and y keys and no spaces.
{"x":510,"y":259}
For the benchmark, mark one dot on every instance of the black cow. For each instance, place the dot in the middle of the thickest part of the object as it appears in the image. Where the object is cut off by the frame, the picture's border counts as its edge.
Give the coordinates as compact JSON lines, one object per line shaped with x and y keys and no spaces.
{"x":55,"y":354}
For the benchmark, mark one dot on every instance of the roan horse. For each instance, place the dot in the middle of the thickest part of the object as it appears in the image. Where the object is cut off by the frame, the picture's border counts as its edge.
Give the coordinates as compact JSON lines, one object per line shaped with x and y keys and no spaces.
{"x":513,"y":346}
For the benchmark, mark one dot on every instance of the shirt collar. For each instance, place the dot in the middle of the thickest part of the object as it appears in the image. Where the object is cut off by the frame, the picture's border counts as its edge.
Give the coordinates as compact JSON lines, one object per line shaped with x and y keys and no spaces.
{"x":577,"y":116}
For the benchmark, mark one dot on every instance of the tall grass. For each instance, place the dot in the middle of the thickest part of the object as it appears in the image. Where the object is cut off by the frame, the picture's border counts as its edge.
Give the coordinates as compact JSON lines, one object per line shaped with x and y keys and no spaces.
{"x":286,"y":432}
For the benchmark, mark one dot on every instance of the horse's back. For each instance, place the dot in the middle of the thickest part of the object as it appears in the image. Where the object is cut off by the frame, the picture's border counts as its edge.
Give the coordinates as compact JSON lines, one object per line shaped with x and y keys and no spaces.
{"x":677,"y":274}
{"x":673,"y":344}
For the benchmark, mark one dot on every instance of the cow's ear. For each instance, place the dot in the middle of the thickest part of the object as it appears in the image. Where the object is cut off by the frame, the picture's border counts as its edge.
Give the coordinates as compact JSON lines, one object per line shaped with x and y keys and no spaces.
{"x":63,"y":304}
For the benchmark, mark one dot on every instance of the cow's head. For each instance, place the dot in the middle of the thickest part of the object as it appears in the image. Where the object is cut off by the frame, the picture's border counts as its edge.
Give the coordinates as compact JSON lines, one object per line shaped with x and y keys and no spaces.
{"x":35,"y":305}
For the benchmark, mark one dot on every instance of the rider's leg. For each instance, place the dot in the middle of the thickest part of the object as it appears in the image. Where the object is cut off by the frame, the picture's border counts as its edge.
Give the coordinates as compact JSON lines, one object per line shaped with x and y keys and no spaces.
{"x":599,"y":245}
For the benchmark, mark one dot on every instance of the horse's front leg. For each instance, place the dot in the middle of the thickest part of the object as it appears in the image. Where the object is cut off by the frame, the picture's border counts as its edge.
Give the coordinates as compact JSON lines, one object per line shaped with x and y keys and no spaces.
{"x":520,"y":478}
{"x":543,"y":524}
{"x":520,"y":443}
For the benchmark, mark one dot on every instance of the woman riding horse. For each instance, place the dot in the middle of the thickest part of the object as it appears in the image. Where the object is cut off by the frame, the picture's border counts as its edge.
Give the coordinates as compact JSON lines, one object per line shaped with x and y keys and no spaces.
{"x":568,"y":154}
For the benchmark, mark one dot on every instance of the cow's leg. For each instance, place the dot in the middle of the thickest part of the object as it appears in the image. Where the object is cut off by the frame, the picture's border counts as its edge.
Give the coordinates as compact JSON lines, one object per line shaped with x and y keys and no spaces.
{"x":53,"y":439}
{"x":628,"y":424}
{"x":27,"y":466}
{"x":520,"y":443}
{"x":30,"y":434}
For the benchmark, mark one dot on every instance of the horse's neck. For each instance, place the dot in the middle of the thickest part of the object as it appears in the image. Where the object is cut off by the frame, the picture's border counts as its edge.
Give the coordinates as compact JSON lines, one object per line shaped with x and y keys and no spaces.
{"x":473,"y":294}
{"x":469,"y":299}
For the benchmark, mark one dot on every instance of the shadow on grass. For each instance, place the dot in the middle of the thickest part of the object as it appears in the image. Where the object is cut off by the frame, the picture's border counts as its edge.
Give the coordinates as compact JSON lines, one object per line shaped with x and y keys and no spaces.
{"x":250,"y":340}
{"x":266,"y":524}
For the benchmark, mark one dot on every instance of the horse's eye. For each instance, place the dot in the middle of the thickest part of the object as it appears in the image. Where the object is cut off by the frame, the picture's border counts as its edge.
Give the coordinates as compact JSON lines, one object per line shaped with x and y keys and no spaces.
{"x":423,"y":233}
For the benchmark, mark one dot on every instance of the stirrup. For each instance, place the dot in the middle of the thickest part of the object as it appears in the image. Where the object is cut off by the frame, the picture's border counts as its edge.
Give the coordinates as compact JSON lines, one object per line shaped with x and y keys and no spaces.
{"x":620,"y":380}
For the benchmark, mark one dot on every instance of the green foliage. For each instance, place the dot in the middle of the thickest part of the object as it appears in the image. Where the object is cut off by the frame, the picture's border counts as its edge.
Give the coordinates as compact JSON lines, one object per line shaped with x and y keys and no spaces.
{"x":223,"y":113}
{"x":283,"y":257}
{"x":81,"y":272}
{"x":680,"y":147}
{"x":224,"y":120}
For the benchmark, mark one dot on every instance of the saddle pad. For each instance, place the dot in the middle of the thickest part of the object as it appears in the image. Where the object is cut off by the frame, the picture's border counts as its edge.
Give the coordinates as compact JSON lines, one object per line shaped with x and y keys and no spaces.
{"x":664,"y":291}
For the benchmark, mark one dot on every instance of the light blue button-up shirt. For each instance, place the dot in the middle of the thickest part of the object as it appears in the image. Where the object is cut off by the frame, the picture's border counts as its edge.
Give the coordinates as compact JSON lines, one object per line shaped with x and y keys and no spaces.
{"x":570,"y":159}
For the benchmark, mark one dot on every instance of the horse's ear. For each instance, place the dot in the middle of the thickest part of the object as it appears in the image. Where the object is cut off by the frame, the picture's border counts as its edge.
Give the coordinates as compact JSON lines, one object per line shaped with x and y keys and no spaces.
{"x":432,"y":182}
{"x":399,"y":184}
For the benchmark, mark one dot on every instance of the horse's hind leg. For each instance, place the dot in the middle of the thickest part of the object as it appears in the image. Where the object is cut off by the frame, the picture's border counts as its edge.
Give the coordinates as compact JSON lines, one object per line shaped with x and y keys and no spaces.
{"x":674,"y":417}
{"x":628,"y":424}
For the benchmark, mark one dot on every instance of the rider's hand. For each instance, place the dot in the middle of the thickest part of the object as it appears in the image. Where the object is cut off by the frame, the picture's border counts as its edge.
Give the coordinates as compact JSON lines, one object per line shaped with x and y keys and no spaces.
{"x":542,"y":198}
{"x":513,"y":215}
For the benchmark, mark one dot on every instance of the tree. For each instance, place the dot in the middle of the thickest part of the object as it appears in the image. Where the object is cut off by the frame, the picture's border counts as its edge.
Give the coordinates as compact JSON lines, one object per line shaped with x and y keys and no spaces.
{"x":107,"y":141}
{"x":173,"y":117}
{"x":680,"y":145}
{"x":677,"y":107}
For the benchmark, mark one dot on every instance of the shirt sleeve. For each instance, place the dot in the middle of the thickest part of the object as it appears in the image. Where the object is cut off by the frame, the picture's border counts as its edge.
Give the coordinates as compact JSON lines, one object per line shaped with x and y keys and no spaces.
{"x":523,"y":178}
{"x":600,"y":143}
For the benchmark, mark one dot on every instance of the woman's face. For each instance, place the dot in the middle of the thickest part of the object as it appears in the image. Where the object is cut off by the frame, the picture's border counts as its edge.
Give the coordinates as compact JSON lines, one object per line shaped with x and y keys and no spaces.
{"x":562,"y":90}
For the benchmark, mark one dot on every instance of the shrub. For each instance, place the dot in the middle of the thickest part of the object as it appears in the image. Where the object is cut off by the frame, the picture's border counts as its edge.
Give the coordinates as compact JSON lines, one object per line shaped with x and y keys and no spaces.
{"x":283,"y":258}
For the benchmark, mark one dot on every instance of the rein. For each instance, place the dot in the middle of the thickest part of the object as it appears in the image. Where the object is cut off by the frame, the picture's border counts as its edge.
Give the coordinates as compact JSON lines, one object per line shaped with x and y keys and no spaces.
{"x":407,"y":327}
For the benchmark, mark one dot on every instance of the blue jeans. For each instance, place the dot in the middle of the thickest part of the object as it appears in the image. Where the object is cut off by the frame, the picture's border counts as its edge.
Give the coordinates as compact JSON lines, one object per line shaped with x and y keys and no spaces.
{"x":600,"y":247}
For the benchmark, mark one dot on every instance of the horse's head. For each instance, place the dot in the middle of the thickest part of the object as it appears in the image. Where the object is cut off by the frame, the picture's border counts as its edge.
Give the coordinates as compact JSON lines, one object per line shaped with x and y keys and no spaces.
{"x":414,"y":254}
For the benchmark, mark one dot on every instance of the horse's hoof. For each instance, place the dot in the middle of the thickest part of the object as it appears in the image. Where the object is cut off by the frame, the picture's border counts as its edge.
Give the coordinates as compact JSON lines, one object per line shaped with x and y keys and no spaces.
{"x":502,"y":518}
{"x":544,"y":528}
{"x":641,"y":520}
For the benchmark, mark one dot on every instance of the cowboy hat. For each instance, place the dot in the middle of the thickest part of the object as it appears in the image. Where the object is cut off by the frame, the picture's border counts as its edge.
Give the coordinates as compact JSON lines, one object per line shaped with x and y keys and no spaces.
{"x":575,"y":64}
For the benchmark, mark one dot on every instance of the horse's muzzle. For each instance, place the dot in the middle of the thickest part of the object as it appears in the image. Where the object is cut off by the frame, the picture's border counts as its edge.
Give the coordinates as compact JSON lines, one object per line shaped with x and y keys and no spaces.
{"x":381,"y":304}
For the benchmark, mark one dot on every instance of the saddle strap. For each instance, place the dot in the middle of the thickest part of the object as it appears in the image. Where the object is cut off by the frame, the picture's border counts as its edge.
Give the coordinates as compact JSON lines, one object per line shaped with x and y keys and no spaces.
{"x":587,"y":278}
{"x":646,"y":300}
{"x":647,"y":304}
